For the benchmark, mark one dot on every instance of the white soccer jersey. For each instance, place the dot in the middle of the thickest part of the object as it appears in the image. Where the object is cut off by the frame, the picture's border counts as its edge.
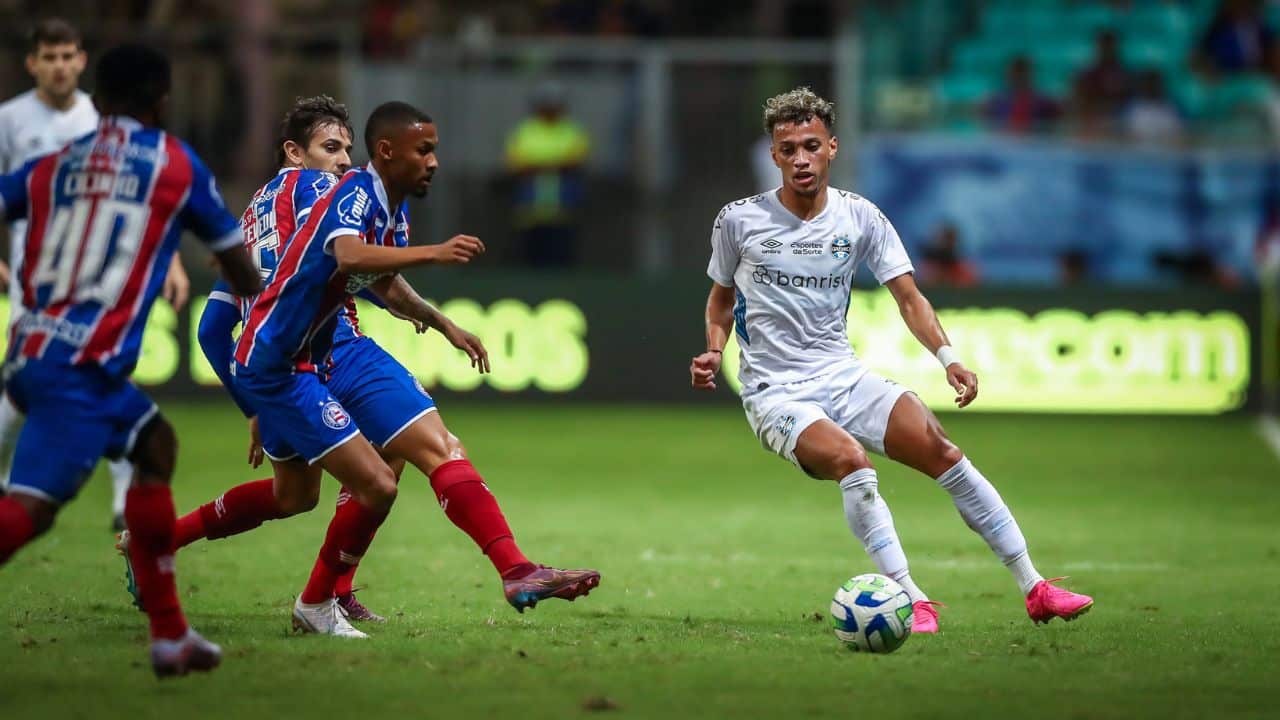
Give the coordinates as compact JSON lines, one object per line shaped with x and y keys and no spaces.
{"x":29,"y":129}
{"x":793,"y":278}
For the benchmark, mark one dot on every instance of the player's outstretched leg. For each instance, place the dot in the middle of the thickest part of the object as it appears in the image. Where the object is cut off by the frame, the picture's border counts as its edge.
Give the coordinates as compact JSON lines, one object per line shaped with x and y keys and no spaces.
{"x":121,"y":479}
{"x":371,"y":487}
{"x":915,"y":438}
{"x":467,"y":502}
{"x":826,"y":451}
{"x":294,"y":489}
{"x":176,"y":649}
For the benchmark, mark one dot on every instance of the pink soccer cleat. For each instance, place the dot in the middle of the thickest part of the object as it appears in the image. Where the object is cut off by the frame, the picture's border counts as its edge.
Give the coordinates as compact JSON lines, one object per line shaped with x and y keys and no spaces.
{"x":924,"y":616}
{"x":1047,"y":601}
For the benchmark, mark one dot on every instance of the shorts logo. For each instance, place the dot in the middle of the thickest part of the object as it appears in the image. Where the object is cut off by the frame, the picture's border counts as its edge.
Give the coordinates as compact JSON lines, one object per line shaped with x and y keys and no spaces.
{"x":840,"y":247}
{"x":785,"y":425}
{"x":334,"y":415}
{"x":418,"y":384}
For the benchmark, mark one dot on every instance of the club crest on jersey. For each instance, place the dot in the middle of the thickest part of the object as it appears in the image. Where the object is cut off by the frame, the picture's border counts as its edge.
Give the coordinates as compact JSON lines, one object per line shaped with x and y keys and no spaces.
{"x":353,"y":206}
{"x":841,"y":246}
{"x":334,"y":415}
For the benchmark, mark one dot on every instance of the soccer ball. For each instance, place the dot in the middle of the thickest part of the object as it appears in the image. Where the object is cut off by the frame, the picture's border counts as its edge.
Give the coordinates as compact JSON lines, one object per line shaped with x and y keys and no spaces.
{"x":871,"y":613}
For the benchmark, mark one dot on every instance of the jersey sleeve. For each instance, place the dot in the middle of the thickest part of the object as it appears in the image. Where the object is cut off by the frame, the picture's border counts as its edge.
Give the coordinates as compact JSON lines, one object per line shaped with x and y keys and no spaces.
{"x":205,"y":213}
{"x":348,"y":214}
{"x":725,"y":252}
{"x":13,"y":192}
{"x":215,"y":335}
{"x":311,"y":187}
{"x":401,"y":233}
{"x":885,"y":255}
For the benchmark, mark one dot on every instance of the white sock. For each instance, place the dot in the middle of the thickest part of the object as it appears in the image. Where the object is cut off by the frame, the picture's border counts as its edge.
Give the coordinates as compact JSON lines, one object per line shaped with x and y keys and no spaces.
{"x":986,"y":514}
{"x":121,"y":479}
{"x":10,"y":426}
{"x":871,"y":523}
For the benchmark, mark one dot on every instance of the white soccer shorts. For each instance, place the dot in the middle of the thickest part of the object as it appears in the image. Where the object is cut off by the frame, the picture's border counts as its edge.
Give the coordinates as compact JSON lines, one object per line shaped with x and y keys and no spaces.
{"x":851,"y":396}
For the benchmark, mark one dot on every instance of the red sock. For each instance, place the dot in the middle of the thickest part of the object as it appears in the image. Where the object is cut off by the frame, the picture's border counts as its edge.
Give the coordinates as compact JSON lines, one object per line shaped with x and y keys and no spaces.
{"x":347,"y":579}
{"x":469,"y":504}
{"x":148,"y":511}
{"x":16,"y":528}
{"x":346,"y":541}
{"x":240,"y":509}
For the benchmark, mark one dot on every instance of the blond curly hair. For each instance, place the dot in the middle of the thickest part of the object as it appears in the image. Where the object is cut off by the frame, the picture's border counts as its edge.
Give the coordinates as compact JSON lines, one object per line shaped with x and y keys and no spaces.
{"x":798,"y":106}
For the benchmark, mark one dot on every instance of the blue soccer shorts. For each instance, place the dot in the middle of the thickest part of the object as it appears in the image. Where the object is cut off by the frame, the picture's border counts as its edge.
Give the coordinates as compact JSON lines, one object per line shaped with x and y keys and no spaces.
{"x":75,"y":415}
{"x":297,"y":415}
{"x":382,"y":396}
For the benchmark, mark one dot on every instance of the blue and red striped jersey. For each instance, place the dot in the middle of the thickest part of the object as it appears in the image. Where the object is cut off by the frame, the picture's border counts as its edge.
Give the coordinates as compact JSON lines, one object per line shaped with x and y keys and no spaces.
{"x":105,"y":214}
{"x":292,"y":323}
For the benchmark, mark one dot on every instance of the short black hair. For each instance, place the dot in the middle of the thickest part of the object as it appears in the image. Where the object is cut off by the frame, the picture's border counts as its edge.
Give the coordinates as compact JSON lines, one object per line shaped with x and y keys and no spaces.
{"x":54,"y":31}
{"x":308,"y":115}
{"x":390,"y":116}
{"x":131,"y":78}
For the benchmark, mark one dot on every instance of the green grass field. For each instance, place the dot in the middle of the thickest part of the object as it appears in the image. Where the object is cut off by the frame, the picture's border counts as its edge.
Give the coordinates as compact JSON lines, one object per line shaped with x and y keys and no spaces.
{"x":719,"y":562}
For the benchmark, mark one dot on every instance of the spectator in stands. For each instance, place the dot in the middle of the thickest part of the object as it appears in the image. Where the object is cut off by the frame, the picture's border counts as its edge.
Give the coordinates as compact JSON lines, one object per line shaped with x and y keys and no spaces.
{"x":1073,"y":267}
{"x":1153,"y":119}
{"x":942,"y":262}
{"x":1102,"y":89}
{"x":1019,"y":108}
{"x":1237,"y":40}
{"x":545,"y":155}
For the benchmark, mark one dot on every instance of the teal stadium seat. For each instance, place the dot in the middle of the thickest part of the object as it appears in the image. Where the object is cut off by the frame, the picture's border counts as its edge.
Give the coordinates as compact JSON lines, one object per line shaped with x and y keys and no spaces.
{"x":963,"y":90}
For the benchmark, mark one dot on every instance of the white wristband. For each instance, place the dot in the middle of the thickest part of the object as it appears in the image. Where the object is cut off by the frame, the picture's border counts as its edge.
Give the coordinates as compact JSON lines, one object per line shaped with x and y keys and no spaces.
{"x":947,"y":355}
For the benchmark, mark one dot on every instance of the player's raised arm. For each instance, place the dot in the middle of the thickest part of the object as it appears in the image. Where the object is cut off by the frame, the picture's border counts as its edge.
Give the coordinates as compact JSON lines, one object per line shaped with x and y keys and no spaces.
{"x":355,"y":256}
{"x":918,"y":314}
{"x":719,"y":318}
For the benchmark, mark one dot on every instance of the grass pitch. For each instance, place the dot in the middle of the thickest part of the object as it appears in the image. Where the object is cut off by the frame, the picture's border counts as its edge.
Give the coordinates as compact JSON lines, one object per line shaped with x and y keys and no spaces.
{"x":719,"y":562}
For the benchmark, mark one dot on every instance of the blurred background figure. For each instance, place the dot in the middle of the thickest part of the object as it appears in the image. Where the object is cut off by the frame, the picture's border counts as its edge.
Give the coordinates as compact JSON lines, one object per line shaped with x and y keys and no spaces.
{"x":943,"y":264}
{"x":545,"y":154}
{"x":1152,"y":118}
{"x":1020,"y":108}
{"x":1237,"y":39}
{"x":1102,"y":89}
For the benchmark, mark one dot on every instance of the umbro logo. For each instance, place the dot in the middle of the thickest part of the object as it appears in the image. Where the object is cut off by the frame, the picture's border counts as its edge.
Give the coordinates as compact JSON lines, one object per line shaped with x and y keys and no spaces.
{"x":771,"y":243}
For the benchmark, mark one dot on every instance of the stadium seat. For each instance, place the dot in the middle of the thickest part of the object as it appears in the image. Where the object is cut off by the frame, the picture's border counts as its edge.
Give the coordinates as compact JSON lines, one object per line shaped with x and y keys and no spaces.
{"x":963,"y":89}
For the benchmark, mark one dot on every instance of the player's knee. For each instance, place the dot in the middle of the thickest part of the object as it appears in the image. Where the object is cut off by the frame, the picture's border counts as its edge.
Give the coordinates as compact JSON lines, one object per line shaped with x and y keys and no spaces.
{"x":41,"y":511}
{"x":849,"y":460}
{"x":302,"y":500}
{"x":948,"y":454}
{"x":155,"y":452}
{"x":381,"y":492}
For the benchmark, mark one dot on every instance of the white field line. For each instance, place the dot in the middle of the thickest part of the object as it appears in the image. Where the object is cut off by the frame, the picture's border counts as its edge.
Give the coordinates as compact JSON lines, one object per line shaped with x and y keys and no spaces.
{"x":741,"y":559}
{"x":1269,"y":428}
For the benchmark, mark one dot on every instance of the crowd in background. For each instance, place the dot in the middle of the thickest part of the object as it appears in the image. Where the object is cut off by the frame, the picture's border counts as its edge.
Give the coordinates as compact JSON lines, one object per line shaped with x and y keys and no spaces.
{"x":232,"y":57}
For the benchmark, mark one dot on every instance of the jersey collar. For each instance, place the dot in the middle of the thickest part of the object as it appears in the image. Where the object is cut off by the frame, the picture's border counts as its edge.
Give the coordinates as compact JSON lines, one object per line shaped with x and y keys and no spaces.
{"x":123,"y":121}
{"x":380,"y":190}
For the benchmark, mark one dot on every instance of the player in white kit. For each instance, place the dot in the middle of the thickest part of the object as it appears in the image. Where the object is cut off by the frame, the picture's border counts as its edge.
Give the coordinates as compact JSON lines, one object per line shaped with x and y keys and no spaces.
{"x":38,"y":122}
{"x":782,"y":264}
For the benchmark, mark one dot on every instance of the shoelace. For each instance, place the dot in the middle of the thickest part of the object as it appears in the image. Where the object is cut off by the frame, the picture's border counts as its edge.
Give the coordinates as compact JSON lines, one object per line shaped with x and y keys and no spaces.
{"x":931,"y":604}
